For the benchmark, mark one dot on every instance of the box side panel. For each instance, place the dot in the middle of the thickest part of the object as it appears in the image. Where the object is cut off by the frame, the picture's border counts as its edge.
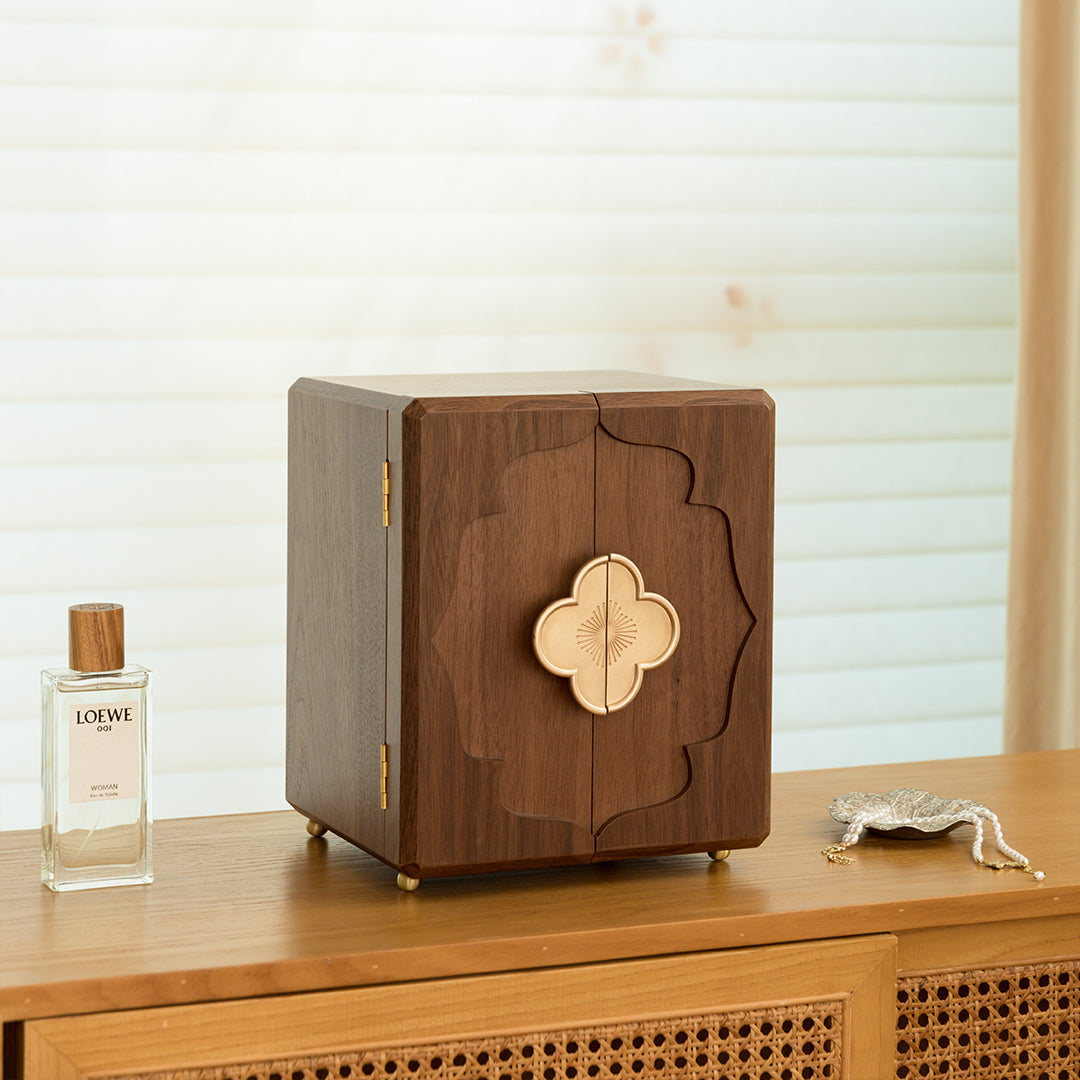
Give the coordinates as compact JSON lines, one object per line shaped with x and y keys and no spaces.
{"x":498,"y":519}
{"x":685,"y":489}
{"x":336,"y":643}
{"x":400,"y":815}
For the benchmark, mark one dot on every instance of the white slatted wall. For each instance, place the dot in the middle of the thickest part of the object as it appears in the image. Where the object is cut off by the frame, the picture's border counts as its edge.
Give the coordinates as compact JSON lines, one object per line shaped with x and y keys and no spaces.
{"x":201,"y":200}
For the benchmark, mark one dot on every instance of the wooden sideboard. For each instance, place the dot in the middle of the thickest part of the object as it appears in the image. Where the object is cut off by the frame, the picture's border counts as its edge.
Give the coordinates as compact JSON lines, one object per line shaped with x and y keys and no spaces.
{"x":261,"y":952}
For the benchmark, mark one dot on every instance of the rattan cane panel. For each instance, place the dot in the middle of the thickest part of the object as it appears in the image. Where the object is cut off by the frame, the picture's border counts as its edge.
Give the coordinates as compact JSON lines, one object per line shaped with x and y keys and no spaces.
{"x":791,"y":1042}
{"x":1016,"y":1023}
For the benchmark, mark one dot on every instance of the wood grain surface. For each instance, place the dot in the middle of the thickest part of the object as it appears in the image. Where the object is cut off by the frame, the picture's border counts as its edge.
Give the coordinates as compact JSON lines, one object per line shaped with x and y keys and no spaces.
{"x":508,"y":709}
{"x":96,"y":637}
{"x":471,"y":384}
{"x":641,"y":761}
{"x":336,"y":637}
{"x":250,"y":905}
{"x":711,"y":546}
{"x":457,"y":468}
{"x":577,"y":1001}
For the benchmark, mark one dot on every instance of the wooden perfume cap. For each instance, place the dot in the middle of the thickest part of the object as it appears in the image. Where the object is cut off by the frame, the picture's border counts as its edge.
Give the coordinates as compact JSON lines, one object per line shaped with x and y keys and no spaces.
{"x":96,"y":637}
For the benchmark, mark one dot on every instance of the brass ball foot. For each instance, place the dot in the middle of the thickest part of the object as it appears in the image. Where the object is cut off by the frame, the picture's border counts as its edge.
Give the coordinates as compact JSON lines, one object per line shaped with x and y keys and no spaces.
{"x":315,"y":828}
{"x":719,"y":856}
{"x":407,"y":884}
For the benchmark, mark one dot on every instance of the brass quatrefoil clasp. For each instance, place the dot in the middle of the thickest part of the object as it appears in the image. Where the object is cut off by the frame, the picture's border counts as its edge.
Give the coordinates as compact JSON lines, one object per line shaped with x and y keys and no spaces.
{"x":606,"y":634}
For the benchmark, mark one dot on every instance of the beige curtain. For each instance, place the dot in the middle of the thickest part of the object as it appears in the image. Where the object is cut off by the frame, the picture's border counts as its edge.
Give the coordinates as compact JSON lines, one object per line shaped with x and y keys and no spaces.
{"x":1042,"y":699}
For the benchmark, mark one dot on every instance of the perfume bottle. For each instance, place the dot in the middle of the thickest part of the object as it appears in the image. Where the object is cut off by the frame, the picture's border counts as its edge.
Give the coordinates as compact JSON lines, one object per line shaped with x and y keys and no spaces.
{"x":95,"y":759}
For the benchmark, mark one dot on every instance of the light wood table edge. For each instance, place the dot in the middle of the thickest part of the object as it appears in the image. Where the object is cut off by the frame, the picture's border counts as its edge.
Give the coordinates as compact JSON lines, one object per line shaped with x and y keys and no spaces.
{"x":319,"y":951}
{"x":976,"y":946}
{"x":859,"y":972}
{"x":371,"y":968}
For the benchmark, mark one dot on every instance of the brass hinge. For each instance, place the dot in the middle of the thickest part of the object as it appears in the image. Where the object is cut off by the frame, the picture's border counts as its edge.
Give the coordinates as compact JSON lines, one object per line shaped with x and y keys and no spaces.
{"x":386,"y":493}
{"x":384,"y":773}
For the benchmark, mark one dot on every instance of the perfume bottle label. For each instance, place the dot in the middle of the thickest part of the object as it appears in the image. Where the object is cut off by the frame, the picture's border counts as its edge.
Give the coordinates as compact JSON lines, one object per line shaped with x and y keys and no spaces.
{"x":104,"y":750}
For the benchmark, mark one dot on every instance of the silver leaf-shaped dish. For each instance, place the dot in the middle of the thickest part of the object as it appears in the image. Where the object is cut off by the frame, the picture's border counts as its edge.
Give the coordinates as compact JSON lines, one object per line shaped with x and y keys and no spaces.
{"x":906,"y":813}
{"x":909,"y":814}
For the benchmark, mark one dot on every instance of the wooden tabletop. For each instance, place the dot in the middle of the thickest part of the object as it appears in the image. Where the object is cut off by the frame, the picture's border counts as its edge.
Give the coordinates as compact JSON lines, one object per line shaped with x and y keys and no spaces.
{"x":249,"y":904}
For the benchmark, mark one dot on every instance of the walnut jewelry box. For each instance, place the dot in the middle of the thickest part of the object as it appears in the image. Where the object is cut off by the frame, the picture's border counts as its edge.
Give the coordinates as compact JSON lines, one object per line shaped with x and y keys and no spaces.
{"x":529,"y":617}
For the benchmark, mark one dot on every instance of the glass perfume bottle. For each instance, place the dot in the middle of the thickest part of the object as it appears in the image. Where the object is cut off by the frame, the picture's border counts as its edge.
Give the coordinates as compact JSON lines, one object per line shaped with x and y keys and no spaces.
{"x":96,"y":819}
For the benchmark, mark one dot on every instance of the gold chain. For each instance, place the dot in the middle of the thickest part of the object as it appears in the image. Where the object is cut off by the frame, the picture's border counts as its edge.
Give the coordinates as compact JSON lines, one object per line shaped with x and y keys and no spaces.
{"x":832,"y":853}
{"x":1038,"y":875}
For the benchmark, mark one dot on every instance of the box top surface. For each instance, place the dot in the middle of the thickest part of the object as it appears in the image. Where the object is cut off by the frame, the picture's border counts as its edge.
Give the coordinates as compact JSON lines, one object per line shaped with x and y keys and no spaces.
{"x":439,"y":384}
